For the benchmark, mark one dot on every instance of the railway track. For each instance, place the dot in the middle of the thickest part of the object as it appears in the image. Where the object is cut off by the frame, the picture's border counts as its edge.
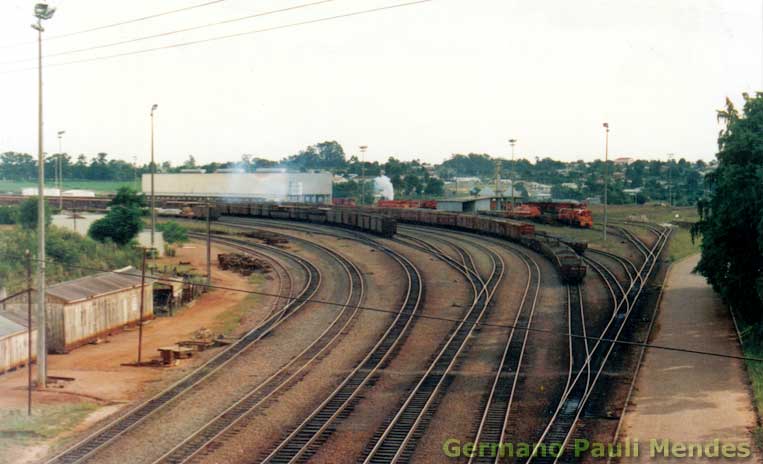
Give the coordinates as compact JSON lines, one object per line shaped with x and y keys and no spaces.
{"x":397,"y":439}
{"x":225,"y":424}
{"x":300,"y":443}
{"x":562,"y":424}
{"x":111,"y":432}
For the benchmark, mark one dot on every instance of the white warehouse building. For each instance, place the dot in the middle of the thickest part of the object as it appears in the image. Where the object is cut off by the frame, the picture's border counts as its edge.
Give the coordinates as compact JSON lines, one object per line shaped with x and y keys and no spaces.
{"x":303,"y":187}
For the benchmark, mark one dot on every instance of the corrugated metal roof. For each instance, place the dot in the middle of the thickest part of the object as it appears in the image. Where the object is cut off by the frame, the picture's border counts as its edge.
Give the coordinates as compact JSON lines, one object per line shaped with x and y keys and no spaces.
{"x":9,"y":327}
{"x":95,"y":285}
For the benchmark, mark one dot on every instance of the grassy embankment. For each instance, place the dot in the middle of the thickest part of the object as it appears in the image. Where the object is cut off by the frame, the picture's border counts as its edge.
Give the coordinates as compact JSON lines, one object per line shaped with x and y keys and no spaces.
{"x":19,"y":431}
{"x":680,"y":245}
{"x":99,"y":187}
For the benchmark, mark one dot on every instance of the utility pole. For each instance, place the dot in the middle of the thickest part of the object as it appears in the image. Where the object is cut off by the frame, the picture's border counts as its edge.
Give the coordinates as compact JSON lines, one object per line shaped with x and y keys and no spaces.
{"x":60,"y":173}
{"x":142,"y":303}
{"x":29,"y":284}
{"x":209,"y":244}
{"x":42,"y":12}
{"x":670,"y":179}
{"x":498,"y":181}
{"x":363,"y":149}
{"x":606,"y":175}
{"x":511,"y":175}
{"x":153,"y":197}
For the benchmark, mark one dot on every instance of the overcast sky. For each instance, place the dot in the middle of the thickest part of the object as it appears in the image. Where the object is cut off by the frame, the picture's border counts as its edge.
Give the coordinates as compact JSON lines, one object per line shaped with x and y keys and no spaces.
{"x":422,"y":81}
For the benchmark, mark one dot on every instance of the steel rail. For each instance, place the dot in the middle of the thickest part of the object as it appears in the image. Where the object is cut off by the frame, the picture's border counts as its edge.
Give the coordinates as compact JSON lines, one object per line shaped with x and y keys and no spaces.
{"x":107,"y":434}
{"x":572,"y":403}
{"x":396,"y":440}
{"x":215,"y":429}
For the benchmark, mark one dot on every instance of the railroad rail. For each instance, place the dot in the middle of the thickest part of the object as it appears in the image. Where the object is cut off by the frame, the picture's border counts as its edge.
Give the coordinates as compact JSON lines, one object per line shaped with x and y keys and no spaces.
{"x":224,"y":423}
{"x":398,"y":438}
{"x":118,"y":427}
{"x":562,"y":424}
{"x":304,"y":439}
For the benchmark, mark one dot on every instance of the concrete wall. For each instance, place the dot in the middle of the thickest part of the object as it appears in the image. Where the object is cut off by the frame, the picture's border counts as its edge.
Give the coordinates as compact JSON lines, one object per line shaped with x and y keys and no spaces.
{"x":275,"y":186}
{"x":450,"y":206}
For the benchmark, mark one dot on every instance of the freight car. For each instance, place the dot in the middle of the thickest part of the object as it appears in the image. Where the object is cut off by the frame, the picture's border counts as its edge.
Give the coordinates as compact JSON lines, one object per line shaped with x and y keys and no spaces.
{"x":562,"y":254}
{"x":350,"y":218}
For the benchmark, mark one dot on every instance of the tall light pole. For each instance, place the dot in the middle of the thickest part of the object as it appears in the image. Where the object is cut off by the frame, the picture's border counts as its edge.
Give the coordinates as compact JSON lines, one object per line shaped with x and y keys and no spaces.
{"x":363,"y":149}
{"x":153,"y":197}
{"x":512,"y":142}
{"x":606,"y":175}
{"x":41,"y":12}
{"x":60,"y":173}
{"x":670,"y":180}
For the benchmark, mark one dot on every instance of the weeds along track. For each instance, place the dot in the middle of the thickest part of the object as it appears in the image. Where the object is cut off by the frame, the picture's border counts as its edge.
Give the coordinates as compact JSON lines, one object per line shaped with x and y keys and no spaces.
{"x":561,"y":426}
{"x":117,"y":428}
{"x":222,"y":426}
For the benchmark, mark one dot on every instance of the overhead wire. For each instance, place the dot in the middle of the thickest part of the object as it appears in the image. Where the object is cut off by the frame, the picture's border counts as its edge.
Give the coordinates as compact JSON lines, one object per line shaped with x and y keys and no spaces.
{"x":174,"y":32}
{"x":228,"y":36}
{"x":120,"y":23}
{"x":418,"y":315}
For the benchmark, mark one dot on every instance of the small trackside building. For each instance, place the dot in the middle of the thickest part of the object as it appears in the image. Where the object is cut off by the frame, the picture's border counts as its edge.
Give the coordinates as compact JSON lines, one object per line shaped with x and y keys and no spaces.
{"x":14,"y":341}
{"x":82,"y":310}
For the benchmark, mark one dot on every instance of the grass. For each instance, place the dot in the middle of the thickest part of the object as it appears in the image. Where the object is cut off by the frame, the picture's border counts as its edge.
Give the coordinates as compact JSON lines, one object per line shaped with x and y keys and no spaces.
{"x":230,"y":320}
{"x":46,"y":422}
{"x":98,"y":186}
{"x":752,"y":347}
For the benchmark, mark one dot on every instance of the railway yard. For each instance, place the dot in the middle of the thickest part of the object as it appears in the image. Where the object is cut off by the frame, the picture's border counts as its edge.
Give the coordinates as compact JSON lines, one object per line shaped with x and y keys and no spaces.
{"x":378,"y":347}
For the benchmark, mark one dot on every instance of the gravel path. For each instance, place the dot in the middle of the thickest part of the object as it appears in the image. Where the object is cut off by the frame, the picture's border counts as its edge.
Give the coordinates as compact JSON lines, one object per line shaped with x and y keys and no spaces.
{"x":685,"y":397}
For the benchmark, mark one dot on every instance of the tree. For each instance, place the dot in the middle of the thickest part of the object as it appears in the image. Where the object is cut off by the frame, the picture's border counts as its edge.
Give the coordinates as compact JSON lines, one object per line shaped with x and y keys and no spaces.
{"x":9,"y":215}
{"x":731,"y":220}
{"x":120,"y":225}
{"x":129,"y":197}
{"x":435,"y":187}
{"x":27,"y":214}
{"x":173,"y":232}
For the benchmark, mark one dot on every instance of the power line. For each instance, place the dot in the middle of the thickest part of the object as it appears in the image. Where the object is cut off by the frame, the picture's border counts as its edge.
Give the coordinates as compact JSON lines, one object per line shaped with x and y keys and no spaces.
{"x":121,"y":23}
{"x":418,"y":315}
{"x":230,"y":36}
{"x":177,"y":31}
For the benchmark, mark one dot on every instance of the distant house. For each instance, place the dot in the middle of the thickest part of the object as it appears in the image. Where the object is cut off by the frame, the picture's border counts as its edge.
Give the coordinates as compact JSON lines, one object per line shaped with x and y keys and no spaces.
{"x":14,"y":338}
{"x":623,"y":161}
{"x":85,"y":309}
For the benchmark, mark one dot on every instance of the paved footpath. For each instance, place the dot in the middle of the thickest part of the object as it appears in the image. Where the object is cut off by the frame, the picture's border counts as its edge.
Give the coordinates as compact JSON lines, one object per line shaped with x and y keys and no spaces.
{"x":686,"y":397}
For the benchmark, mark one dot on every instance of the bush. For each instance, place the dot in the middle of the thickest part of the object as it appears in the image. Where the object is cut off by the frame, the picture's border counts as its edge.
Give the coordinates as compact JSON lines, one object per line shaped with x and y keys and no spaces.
{"x":27,"y":213}
{"x":120,"y":225}
{"x":9,"y":214}
{"x":173,"y":232}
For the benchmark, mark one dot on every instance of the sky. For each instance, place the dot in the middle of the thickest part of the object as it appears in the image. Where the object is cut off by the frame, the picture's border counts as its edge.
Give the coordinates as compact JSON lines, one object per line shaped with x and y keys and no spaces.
{"x":421,"y":81}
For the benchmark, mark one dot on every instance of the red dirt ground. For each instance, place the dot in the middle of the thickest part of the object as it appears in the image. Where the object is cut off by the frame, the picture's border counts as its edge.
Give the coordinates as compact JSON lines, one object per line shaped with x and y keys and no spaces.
{"x":99,"y":370}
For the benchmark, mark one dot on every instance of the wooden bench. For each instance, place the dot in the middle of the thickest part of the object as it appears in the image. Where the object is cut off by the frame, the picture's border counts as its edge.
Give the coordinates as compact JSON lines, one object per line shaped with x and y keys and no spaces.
{"x":171,"y":353}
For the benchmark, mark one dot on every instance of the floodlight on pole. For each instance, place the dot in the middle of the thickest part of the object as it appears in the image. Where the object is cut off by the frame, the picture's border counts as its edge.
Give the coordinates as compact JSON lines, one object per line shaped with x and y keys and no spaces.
{"x":606,"y":175}
{"x":153,"y":197}
{"x":42,"y":12}
{"x":512,"y":142}
{"x":363,"y":149}
{"x":60,"y":179}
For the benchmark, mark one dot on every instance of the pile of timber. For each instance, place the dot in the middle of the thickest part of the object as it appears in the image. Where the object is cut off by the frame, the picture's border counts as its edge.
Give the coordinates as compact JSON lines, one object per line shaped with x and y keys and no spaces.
{"x":242,"y":263}
{"x":269,"y":238}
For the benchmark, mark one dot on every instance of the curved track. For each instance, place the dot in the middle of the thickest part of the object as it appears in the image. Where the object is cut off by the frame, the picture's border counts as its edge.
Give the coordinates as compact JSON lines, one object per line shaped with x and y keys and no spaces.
{"x":562,"y":424}
{"x":225,"y":423}
{"x":117,"y":428}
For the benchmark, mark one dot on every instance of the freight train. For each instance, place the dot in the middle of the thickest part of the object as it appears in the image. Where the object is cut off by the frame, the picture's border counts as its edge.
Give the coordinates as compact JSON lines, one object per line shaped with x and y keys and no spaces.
{"x":550,"y":212}
{"x":383,"y":222}
{"x":563,"y":254}
{"x":350,"y":218}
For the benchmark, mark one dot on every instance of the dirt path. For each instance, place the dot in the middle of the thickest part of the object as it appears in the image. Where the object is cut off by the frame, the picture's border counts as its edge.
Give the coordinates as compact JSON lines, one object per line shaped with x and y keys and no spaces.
{"x":686,"y":397}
